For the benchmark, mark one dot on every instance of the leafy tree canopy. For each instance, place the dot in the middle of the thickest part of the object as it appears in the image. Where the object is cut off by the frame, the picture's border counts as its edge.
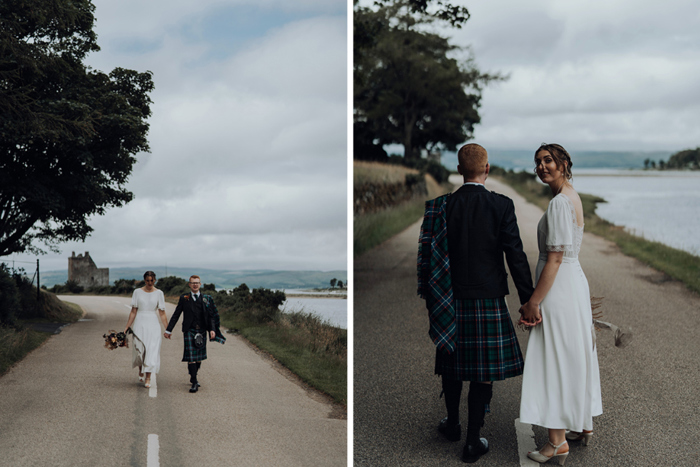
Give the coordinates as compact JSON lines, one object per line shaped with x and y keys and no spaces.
{"x":411,"y":87}
{"x":687,"y":159}
{"x":68,"y":134}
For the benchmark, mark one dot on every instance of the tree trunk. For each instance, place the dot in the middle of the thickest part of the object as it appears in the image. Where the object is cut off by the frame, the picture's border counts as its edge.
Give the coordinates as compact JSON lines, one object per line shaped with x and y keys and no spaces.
{"x":409,"y":152}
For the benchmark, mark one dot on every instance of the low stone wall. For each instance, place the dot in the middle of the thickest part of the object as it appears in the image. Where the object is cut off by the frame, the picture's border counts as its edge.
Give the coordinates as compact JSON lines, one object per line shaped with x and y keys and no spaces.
{"x":372,"y":197}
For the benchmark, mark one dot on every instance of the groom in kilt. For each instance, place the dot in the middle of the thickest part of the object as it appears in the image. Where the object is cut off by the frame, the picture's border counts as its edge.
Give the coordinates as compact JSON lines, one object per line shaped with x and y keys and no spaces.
{"x":201,"y":320}
{"x":462,"y":277}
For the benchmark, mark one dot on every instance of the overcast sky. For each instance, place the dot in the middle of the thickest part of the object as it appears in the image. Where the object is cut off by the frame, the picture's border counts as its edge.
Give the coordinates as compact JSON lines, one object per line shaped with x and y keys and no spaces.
{"x":248,"y":167}
{"x":591,"y":75}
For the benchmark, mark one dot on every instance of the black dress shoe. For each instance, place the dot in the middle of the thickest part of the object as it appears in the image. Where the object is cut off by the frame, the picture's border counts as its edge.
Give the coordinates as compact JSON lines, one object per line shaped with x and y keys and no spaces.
{"x":195,"y":387}
{"x":472,"y":452}
{"x":450,"y":432}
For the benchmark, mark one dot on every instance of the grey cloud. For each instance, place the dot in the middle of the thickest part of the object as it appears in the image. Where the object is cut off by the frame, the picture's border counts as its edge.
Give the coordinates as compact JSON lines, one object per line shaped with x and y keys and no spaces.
{"x":248,"y":164}
{"x":597,"y":75}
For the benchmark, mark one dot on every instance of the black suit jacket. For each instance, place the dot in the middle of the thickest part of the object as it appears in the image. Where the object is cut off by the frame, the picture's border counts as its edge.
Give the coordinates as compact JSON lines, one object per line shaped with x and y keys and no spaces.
{"x":481,"y":227}
{"x":184,"y":305}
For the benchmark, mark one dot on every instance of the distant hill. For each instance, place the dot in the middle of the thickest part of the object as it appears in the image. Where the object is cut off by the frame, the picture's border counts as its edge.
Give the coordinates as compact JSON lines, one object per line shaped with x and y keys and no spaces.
{"x":522,"y":159}
{"x":223,"y":279}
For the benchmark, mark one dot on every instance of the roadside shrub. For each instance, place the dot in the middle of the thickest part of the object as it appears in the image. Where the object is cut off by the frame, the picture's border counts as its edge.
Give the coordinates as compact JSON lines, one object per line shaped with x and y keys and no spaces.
{"x":172,"y":285}
{"x":316,"y":334}
{"x":73,"y":287}
{"x":437,"y":170}
{"x":99,"y":290}
{"x":9,"y":297}
{"x":268,"y":298}
{"x":123,"y":287}
{"x":259,"y":306}
{"x":28,"y":298}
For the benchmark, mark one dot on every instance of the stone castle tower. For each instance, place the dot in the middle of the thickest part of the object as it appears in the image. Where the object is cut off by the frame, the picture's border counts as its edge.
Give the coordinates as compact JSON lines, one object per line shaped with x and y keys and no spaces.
{"x":82,"y":269}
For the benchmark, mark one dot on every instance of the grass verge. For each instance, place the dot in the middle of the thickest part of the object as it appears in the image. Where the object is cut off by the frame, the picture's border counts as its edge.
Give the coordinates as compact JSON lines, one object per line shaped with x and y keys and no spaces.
{"x":314,"y":351}
{"x":371,"y":229}
{"x":17,"y":342}
{"x":678,"y":264}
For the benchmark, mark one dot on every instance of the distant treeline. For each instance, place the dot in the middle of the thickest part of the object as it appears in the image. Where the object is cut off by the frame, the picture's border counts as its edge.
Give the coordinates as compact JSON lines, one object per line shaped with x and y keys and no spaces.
{"x":683,"y":160}
{"x":260,"y":304}
{"x":224,"y":279}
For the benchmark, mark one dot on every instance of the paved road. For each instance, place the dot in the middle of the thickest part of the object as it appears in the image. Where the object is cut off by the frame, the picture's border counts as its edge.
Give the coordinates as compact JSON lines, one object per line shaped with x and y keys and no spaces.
{"x":651,"y":388}
{"x":74,"y":403}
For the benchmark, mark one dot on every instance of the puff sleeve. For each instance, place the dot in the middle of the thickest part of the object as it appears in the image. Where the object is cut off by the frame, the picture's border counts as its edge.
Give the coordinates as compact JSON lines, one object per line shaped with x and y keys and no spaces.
{"x":161,"y":301}
{"x":560,"y":225}
{"x":135,"y":299}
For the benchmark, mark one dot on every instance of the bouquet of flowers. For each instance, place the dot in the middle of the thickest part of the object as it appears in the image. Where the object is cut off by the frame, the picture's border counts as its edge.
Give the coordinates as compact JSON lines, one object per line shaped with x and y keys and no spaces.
{"x":114,"y":339}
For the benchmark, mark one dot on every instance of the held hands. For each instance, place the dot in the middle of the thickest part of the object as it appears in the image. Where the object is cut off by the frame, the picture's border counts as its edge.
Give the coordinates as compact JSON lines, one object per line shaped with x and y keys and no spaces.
{"x":212,"y":334}
{"x":530,"y":314}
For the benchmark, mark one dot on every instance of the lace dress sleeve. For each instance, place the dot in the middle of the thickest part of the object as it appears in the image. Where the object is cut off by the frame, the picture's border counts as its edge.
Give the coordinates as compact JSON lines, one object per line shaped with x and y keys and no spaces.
{"x":560,"y":226}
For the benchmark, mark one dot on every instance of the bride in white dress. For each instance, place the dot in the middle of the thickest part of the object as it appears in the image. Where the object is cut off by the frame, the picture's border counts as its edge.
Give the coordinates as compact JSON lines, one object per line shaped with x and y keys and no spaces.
{"x":561,"y":381}
{"x":147,"y":307}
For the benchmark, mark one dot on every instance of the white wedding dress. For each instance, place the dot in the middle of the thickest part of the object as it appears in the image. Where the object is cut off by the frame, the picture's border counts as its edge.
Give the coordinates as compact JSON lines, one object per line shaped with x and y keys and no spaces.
{"x":146,"y":327}
{"x":561,"y":380}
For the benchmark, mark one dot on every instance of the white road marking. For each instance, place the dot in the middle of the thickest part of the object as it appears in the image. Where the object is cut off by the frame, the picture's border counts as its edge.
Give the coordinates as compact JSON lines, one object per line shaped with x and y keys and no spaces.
{"x":152,"y":453}
{"x":153,"y":390}
{"x":526,"y":443}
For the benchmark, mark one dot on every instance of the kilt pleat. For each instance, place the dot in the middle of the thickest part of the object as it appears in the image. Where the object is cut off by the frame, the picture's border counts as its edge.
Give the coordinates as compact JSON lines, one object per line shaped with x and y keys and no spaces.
{"x":191,"y":353}
{"x":487,"y":347}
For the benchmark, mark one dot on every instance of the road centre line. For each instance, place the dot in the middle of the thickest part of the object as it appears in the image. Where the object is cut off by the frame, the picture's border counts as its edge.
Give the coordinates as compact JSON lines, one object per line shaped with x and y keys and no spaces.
{"x":152,"y":452}
{"x":153,"y":390}
{"x":526,"y":443}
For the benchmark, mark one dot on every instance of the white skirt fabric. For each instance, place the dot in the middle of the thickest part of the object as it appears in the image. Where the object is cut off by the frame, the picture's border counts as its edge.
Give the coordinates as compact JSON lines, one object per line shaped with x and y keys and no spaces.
{"x":561,"y":379}
{"x":146,"y":341}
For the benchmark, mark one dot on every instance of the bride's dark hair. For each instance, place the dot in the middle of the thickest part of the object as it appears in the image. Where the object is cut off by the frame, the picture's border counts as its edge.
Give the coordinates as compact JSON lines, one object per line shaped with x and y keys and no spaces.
{"x":560,"y":156}
{"x":149,"y":274}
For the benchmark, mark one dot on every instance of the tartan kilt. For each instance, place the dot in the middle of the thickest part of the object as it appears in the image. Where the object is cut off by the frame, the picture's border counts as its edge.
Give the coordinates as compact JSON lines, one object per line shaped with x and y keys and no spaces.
{"x":487,"y":348}
{"x":191,"y":352}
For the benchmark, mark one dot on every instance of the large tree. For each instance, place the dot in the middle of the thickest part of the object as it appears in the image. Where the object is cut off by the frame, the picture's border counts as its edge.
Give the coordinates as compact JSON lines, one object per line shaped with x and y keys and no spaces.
{"x":412,"y":87}
{"x":68,"y":133}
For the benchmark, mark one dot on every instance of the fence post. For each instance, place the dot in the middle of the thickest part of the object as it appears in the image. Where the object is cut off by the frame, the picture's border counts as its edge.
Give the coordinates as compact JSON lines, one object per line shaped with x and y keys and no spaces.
{"x":38,"y":285}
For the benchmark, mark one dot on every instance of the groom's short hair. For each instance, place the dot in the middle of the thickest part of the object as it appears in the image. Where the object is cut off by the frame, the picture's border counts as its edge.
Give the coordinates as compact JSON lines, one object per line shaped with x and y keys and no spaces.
{"x":472,"y":160}
{"x":195,"y":277}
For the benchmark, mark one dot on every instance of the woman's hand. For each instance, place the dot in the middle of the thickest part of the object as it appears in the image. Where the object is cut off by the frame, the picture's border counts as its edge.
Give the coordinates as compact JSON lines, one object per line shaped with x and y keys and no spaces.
{"x":212,"y":335}
{"x":530,"y":314}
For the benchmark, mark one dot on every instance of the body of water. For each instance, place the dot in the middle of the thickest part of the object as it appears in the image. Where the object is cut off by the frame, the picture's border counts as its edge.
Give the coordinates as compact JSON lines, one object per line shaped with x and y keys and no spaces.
{"x":333,"y":310}
{"x":663,"y":206}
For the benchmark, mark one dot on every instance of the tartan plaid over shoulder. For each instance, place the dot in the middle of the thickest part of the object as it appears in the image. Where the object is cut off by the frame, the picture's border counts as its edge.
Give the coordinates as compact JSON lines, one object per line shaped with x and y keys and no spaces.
{"x":215,"y":320}
{"x":434,"y":280}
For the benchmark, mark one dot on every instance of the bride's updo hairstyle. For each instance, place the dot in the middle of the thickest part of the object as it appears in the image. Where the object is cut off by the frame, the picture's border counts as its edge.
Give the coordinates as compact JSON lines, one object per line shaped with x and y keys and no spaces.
{"x":560,"y":155}
{"x":149,"y":274}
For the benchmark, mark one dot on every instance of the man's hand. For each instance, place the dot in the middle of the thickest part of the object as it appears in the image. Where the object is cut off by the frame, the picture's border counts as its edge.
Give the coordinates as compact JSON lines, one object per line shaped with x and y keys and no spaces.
{"x":212,"y":335}
{"x":530,"y":314}
{"x":167,"y":335}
